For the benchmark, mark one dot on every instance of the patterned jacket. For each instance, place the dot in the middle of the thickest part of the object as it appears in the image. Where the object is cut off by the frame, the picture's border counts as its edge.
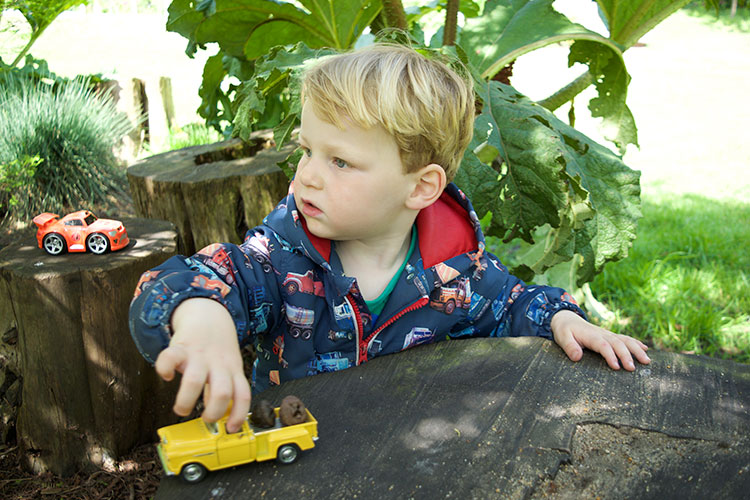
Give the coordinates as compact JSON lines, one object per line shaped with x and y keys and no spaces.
{"x":286,"y":292}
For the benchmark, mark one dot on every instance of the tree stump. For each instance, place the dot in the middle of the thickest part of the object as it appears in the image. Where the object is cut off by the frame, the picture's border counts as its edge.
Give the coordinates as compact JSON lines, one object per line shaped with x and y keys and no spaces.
{"x":212,"y":193}
{"x":88,"y":396}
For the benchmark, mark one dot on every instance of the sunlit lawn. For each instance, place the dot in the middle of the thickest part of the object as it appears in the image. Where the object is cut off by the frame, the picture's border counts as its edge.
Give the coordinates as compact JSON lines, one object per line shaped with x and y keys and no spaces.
{"x":685,"y":285}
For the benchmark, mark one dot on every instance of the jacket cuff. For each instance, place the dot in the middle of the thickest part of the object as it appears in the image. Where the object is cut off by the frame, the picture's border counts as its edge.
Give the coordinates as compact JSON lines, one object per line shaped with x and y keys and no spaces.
{"x":554,"y":308}
{"x":151,"y":315}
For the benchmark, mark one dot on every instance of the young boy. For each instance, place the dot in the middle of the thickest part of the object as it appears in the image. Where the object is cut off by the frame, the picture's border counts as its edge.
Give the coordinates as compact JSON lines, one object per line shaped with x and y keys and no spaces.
{"x":372,"y":252}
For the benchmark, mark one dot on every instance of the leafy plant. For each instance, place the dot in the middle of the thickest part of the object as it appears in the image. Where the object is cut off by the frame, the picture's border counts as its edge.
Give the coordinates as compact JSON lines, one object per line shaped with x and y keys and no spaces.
{"x":72,"y":131}
{"x":568,"y":204}
{"x":39,"y":14}
{"x":16,"y":180}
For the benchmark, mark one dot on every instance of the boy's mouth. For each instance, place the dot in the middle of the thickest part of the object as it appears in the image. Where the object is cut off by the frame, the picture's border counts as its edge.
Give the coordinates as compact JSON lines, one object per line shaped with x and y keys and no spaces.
{"x":309,"y":209}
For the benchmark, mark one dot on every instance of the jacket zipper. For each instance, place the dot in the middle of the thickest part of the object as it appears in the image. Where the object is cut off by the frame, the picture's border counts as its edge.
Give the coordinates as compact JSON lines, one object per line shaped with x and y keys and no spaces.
{"x":358,"y":326}
{"x":365,"y":343}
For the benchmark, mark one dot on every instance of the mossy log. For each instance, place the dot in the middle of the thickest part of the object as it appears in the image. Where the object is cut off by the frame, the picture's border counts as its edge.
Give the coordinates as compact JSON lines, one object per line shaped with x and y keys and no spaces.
{"x":88,"y":396}
{"x":212,"y":193}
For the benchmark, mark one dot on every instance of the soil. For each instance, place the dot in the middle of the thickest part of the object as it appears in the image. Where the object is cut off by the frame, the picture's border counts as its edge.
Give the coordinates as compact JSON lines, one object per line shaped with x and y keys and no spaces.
{"x":136,"y":476}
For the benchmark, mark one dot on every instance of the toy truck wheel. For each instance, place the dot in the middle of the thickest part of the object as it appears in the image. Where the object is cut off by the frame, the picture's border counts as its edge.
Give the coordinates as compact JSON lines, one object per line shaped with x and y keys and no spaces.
{"x":450,"y":306}
{"x":54,"y":244}
{"x":193,"y":473}
{"x":287,"y":454}
{"x":97,"y":243}
{"x":292,"y":287}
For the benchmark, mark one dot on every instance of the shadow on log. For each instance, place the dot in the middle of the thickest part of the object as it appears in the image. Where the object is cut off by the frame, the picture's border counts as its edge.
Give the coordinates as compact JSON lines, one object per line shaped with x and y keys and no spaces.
{"x":212,"y":193}
{"x":88,"y":396}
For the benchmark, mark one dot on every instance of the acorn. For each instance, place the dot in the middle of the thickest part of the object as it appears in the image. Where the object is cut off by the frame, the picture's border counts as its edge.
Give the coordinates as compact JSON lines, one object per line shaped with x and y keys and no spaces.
{"x":292,"y":411}
{"x":262,"y":415}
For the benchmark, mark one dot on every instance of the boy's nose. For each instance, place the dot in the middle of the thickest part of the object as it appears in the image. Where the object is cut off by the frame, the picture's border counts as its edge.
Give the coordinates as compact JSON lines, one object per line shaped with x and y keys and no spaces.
{"x":308,"y":173}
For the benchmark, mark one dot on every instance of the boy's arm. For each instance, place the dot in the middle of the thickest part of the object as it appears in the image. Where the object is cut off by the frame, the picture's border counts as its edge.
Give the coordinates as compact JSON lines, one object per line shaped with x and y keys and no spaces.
{"x":573,"y":333}
{"x":197,"y":311}
{"x":552,"y":313}
{"x":210,"y":363}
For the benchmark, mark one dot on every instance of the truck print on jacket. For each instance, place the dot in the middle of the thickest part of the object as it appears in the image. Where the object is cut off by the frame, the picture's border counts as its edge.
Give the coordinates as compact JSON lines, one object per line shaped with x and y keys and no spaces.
{"x":288,"y":294}
{"x":455,"y":294}
{"x":304,"y":283}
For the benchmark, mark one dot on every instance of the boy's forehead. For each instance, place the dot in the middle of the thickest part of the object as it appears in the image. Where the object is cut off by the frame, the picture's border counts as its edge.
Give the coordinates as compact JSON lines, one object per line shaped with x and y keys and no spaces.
{"x":341,"y":120}
{"x":343,"y":136}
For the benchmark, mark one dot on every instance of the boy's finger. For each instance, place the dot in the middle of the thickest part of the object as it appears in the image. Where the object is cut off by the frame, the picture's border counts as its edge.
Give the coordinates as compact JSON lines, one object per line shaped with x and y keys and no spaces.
{"x":638,"y":349}
{"x":191,"y":387}
{"x":570,"y":345}
{"x":169,"y":360}
{"x":605,"y":349}
{"x":240,"y":403}
{"x":623,"y":352}
{"x":218,"y":398}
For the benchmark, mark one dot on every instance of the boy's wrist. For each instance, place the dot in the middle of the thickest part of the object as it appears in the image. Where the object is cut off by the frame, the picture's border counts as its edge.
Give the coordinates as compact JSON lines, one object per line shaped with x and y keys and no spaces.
{"x":201,"y":310}
{"x":562,"y":317}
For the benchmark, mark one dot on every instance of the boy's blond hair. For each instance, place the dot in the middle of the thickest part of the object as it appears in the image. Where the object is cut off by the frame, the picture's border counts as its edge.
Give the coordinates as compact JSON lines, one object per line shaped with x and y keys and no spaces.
{"x":426,"y":106}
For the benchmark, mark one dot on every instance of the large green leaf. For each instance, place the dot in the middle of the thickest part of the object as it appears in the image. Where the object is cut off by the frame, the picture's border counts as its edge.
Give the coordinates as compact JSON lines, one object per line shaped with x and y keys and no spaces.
{"x":510,"y":28}
{"x":629,"y":20}
{"x":611,"y":81}
{"x":557,"y":190}
{"x":250,"y":28}
{"x":275,"y":77}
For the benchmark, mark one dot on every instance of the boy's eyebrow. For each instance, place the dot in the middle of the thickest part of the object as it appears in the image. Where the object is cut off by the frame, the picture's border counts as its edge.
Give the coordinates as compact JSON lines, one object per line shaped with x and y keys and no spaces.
{"x":333,"y":147}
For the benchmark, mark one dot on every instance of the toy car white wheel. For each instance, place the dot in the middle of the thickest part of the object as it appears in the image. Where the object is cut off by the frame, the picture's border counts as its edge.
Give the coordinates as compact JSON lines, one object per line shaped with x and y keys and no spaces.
{"x":288,"y":454}
{"x":97,"y":243}
{"x":53,"y":244}
{"x":193,"y":473}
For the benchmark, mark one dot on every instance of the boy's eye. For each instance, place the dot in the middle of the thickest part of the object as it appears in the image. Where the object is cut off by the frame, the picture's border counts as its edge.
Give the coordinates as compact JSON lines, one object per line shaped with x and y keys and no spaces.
{"x":306,"y":151}
{"x":340,"y":163}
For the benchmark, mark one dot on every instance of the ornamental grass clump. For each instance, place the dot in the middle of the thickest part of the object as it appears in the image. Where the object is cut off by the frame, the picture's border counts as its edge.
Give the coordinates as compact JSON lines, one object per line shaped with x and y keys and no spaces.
{"x":70,"y":131}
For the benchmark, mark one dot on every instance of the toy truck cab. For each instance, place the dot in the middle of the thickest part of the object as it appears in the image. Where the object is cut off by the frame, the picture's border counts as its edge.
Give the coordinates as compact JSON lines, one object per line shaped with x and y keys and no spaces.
{"x":191,"y":449}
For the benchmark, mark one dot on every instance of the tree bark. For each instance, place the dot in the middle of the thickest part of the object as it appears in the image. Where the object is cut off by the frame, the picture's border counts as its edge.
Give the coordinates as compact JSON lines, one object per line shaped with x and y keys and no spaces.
{"x":88,"y":396}
{"x":212,"y":193}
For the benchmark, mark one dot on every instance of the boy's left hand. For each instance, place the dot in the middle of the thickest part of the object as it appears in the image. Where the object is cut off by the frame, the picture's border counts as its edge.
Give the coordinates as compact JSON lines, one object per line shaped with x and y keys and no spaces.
{"x":573,"y":333}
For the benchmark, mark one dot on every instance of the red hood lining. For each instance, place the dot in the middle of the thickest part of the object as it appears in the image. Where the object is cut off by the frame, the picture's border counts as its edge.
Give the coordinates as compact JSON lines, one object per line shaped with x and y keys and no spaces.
{"x":443,"y":229}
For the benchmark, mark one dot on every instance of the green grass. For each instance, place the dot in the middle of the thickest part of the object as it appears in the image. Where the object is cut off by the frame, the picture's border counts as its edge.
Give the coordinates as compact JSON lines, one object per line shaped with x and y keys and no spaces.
{"x":192,"y":134}
{"x":739,"y":22}
{"x":685,"y":285}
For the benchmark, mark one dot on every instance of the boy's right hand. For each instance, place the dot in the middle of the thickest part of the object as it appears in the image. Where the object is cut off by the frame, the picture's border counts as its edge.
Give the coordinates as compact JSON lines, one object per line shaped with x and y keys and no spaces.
{"x":204,"y":348}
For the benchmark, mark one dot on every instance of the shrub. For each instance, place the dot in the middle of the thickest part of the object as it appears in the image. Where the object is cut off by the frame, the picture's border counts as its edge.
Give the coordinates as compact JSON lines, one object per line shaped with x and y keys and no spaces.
{"x":72,"y":131}
{"x":16,"y":179}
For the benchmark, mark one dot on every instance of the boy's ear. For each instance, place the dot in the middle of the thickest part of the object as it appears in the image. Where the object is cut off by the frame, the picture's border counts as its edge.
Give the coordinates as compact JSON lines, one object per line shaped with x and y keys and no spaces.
{"x":429,"y":184}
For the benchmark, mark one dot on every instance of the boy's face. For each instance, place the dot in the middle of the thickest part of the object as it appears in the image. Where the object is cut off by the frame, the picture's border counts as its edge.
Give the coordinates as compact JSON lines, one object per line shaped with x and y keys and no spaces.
{"x":350,"y":184}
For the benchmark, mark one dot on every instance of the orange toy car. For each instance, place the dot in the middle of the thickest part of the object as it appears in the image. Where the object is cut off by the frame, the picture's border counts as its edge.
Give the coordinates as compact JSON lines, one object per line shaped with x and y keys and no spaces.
{"x":78,"y":232}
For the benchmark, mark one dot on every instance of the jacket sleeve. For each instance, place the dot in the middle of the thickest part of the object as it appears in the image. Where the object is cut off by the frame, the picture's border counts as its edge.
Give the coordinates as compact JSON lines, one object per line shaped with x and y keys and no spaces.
{"x":519,"y":309}
{"x":242,"y":278}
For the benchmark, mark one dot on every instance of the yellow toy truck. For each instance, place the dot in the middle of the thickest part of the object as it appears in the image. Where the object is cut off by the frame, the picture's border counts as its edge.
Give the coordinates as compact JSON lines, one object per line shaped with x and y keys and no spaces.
{"x":190,"y":449}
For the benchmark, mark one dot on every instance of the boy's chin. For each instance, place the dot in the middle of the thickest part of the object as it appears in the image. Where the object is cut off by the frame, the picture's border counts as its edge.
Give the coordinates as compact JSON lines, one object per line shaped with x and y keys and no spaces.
{"x":319,"y":230}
